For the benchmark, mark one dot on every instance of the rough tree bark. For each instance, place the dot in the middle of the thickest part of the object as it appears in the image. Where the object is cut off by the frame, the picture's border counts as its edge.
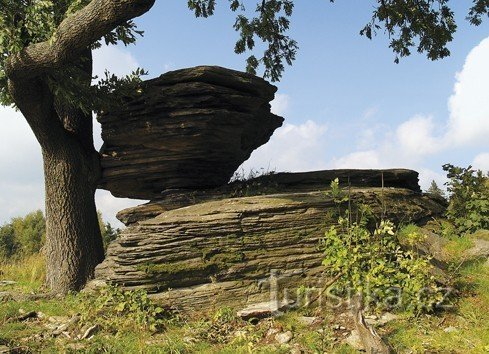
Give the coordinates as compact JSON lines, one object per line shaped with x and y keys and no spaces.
{"x":71,"y":163}
{"x":74,"y":243}
{"x":71,"y":171}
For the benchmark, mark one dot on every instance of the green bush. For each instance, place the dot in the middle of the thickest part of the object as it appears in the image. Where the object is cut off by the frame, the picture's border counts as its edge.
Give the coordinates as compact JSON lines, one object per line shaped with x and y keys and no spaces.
{"x":8,"y":245}
{"x":468,"y":208}
{"x":372,"y":263}
{"x":23,"y":236}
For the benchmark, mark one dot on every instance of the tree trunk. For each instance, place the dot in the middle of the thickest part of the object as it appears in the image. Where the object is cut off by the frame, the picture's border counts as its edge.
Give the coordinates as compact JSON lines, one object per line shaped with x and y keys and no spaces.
{"x":71,"y":173}
{"x":73,"y":240}
{"x":71,"y":165}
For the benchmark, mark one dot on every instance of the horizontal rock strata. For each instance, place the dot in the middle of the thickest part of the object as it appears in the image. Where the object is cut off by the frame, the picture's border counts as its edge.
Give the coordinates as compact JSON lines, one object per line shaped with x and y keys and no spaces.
{"x":271,"y":183}
{"x":224,"y":252}
{"x":189,"y":128}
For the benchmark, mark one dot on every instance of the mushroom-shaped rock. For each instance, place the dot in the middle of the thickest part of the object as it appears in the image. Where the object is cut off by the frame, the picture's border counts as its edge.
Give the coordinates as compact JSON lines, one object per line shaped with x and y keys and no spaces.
{"x":188,"y":129}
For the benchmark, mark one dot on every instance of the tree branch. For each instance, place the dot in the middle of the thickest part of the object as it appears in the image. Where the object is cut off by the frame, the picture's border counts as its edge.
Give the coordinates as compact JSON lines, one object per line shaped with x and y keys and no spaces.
{"x":76,"y":33}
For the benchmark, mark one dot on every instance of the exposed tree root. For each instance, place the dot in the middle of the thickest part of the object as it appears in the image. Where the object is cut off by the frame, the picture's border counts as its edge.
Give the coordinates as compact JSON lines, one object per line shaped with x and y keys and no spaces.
{"x":371,"y":341}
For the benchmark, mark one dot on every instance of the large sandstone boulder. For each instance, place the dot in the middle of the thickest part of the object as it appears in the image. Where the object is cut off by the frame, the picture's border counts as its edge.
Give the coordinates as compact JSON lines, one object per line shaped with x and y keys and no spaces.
{"x":235,"y":250}
{"x":190,"y":128}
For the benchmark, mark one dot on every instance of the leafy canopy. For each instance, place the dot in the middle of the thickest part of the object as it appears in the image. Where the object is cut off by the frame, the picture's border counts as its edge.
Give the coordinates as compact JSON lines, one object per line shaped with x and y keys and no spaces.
{"x":426,"y":25}
{"x":269,"y":24}
{"x":26,"y":22}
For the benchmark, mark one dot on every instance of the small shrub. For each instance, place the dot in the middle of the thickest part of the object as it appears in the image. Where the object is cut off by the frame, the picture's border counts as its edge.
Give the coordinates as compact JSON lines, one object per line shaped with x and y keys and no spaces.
{"x":242,"y":176}
{"x":218,"y":328}
{"x":373,"y":264}
{"x":410,"y":235}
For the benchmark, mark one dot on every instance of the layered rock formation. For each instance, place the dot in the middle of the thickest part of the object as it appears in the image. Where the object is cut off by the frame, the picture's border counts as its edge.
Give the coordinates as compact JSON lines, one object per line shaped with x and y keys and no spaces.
{"x":202,"y":242}
{"x":189,"y":128}
{"x":222,"y":251}
{"x":269,"y":184}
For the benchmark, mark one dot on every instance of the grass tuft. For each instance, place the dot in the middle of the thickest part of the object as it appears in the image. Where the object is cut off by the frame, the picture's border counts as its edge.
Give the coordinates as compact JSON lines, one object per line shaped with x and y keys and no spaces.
{"x":29,"y":273}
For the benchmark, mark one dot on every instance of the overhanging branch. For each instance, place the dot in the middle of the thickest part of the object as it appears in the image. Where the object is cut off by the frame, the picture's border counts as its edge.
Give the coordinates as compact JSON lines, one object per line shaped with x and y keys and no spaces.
{"x":74,"y":34}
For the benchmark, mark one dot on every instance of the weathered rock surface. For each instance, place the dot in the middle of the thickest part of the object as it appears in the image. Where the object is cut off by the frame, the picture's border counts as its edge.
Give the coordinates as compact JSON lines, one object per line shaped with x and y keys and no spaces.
{"x":190,"y":128}
{"x":268,"y":184}
{"x":240,"y":251}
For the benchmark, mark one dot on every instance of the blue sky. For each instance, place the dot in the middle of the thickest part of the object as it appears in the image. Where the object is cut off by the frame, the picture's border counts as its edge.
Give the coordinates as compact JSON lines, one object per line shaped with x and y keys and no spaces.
{"x":345,"y":102}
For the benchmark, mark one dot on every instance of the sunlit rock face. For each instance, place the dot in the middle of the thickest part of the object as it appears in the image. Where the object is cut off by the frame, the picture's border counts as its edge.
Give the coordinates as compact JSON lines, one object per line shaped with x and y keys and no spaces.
{"x":189,"y":129}
{"x":235,"y":244}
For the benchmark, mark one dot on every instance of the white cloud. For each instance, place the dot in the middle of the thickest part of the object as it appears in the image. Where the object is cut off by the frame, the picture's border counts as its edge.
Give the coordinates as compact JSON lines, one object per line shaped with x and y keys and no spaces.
{"x":280,"y":105}
{"x":481,"y":162}
{"x":420,"y":137}
{"x":21,"y":179}
{"x":360,"y":159}
{"x":292,"y":148}
{"x":114,"y":59}
{"x":370,"y":112}
{"x":110,"y":206}
{"x":416,"y":136}
{"x":17,"y":142}
{"x":468,"y":123}
{"x":469,"y":104}
{"x":168,"y":67}
{"x":426,"y":176}
{"x":366,"y":139}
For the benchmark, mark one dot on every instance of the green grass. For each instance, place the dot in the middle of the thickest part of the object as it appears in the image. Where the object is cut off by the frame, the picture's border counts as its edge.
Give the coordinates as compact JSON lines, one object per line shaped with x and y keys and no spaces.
{"x":211,"y":333}
{"x":470,"y":318}
{"x":29,"y":272}
{"x":481,"y":234}
{"x":13,"y":333}
{"x":456,"y":247}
